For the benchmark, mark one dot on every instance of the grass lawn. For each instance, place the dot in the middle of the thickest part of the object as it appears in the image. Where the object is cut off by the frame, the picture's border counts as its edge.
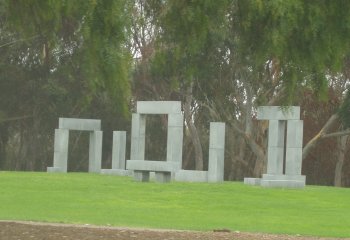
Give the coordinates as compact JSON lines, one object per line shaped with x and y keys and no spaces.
{"x":119,"y":201}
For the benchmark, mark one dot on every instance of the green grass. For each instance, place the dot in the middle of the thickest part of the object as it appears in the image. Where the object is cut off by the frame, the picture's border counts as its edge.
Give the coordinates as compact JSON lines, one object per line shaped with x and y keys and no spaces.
{"x":119,"y":201}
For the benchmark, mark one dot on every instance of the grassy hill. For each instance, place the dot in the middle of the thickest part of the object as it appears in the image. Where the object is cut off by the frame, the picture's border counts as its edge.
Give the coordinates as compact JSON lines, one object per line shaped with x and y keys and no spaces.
{"x":119,"y":201}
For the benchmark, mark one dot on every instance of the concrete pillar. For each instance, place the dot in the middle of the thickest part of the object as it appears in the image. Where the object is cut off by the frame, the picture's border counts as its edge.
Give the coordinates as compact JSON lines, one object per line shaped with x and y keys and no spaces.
{"x":60,"y":157}
{"x":275,"y":147}
{"x":216,"y":152}
{"x":138,"y":135}
{"x":118,"y":150}
{"x":95,"y":151}
{"x":175,"y":139}
{"x":141,"y":176}
{"x":294,"y":147}
{"x":162,"y":177}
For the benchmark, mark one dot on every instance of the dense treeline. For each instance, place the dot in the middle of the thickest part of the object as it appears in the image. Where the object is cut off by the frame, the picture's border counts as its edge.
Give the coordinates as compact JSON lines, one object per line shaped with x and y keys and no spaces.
{"x":221,"y":59}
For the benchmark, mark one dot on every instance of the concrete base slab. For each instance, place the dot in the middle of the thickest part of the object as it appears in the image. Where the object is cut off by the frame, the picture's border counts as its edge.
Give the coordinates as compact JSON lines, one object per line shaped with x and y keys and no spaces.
{"x":141,"y":176}
{"x":191,"y":176}
{"x":117,"y":172}
{"x":252,"y":181}
{"x":284,"y":177}
{"x":54,"y":169}
{"x":282,"y":183}
{"x":162,"y":177}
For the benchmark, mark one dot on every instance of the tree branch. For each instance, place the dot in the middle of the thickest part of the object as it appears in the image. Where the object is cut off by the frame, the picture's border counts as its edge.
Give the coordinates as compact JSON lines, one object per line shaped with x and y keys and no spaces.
{"x":14,"y":119}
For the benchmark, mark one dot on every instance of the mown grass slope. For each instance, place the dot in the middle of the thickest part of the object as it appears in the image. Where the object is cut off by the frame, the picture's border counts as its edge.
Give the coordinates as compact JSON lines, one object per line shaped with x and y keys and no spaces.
{"x":119,"y":201}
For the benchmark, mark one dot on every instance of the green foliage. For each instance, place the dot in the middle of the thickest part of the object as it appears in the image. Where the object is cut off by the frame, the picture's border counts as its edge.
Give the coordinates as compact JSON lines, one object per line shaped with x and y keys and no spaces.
{"x":190,"y":31}
{"x":309,"y":38}
{"x":344,"y":110}
{"x":119,"y":201}
{"x":60,"y":58}
{"x":95,"y":31}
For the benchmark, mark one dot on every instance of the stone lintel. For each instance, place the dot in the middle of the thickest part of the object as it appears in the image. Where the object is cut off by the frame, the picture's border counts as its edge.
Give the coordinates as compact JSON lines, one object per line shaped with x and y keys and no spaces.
{"x":158,"y":107}
{"x":80,"y":124}
{"x":277,"y":113}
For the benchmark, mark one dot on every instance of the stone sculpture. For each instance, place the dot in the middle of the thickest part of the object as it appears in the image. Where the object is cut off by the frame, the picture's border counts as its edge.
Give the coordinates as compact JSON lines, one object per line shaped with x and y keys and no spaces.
{"x":215,"y":171}
{"x":163,"y":169}
{"x":62,"y":138}
{"x":283,"y":161}
{"x":118,"y":155}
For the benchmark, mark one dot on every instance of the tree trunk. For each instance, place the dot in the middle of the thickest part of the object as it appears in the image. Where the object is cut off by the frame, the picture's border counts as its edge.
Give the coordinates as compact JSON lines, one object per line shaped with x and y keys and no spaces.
{"x":315,"y":140}
{"x":193,"y":130}
{"x":340,"y":156}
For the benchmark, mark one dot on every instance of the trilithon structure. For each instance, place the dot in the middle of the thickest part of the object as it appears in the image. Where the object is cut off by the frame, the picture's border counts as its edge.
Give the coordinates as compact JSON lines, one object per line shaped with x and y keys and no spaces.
{"x":284,"y":153}
{"x":165,"y":169}
{"x":60,"y":158}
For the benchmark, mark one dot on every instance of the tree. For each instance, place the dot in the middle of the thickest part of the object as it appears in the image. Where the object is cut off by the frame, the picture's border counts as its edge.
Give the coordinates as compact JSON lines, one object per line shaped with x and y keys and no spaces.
{"x":63,"y":59}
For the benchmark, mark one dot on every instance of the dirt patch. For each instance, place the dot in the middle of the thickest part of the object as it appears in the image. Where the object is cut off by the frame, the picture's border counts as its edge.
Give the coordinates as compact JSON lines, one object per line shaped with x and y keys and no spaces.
{"x":47,"y":231}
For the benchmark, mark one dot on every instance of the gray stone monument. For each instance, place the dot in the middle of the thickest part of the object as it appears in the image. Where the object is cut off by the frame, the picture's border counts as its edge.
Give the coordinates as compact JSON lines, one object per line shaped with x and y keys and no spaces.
{"x":215,"y":171}
{"x":118,"y":155}
{"x":62,"y":138}
{"x":163,"y":169}
{"x":283,"y":161}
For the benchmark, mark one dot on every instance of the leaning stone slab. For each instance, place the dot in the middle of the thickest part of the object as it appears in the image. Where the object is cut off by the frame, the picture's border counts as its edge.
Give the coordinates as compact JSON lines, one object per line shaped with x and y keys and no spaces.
{"x":277,"y":113}
{"x":158,"y":107}
{"x":79,"y":124}
{"x":191,"y":176}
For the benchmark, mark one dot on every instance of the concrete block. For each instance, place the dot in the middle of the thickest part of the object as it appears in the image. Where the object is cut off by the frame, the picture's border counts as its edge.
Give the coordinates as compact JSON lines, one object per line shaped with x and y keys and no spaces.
{"x":117,"y":172}
{"x":118,"y":150}
{"x":152,"y":166}
{"x":293,"y":161}
{"x":158,"y":107}
{"x":175,"y":120}
{"x":61,"y":140}
{"x":294,"y":133}
{"x":284,"y":177}
{"x":80,"y":124}
{"x":282,"y":184}
{"x":141,"y":176}
{"x":277,"y":113}
{"x":54,"y":170}
{"x":138,"y":132}
{"x":191,"y":176}
{"x":252,"y":181}
{"x":163,"y":177}
{"x":60,"y":160}
{"x":216,"y":165}
{"x":276,"y":133}
{"x":275,"y":156}
{"x":217,"y":135}
{"x":174,"y":145}
{"x":95,"y":151}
